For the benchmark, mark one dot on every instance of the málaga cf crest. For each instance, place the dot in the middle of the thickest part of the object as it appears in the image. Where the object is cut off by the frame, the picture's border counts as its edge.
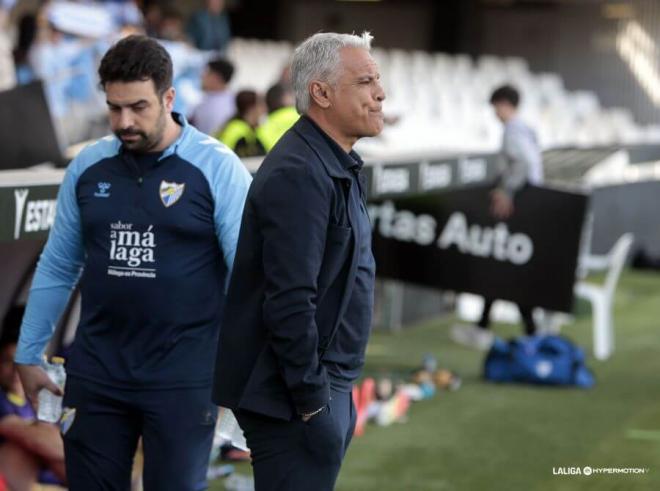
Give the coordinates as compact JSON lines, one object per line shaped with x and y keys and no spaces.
{"x":170,"y":192}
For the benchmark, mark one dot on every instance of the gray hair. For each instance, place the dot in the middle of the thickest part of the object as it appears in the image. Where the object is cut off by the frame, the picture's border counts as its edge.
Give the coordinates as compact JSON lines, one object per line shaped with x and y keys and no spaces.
{"x":317,"y":58}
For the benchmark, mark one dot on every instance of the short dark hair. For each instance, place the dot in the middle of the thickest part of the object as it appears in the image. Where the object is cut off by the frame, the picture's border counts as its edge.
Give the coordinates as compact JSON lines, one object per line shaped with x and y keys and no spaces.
{"x":137,"y":58}
{"x":245,"y":100}
{"x":505,"y":93}
{"x":222,"y":67}
{"x":275,"y":97}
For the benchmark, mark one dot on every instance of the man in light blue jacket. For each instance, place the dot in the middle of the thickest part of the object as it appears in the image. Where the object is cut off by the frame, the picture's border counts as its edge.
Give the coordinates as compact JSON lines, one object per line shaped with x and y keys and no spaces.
{"x":147,"y":224}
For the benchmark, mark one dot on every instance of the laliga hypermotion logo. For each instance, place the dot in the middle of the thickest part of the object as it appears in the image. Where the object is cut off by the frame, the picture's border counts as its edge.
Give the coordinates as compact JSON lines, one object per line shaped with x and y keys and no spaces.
{"x":170,"y":192}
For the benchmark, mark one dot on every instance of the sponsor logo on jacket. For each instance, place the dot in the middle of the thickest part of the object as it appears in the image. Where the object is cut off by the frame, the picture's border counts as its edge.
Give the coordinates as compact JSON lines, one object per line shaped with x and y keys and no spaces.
{"x":132,"y":252}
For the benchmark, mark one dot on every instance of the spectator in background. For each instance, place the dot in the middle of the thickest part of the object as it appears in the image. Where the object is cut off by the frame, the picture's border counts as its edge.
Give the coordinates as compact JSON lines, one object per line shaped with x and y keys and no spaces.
{"x":50,"y":60}
{"x":27,"y":33}
{"x":218,"y":104}
{"x":209,"y":29}
{"x":171,"y":25}
{"x":64,"y":57}
{"x":239,"y":133}
{"x":30,"y":451}
{"x":124,"y":12}
{"x":282,"y":115}
{"x":520,"y":163}
{"x":153,"y":16}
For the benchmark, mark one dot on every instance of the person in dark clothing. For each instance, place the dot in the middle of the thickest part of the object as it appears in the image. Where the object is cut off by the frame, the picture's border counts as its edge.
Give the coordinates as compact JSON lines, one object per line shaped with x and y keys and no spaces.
{"x":282,"y":115}
{"x":27,"y":33}
{"x":209,"y":29}
{"x":299,"y":304}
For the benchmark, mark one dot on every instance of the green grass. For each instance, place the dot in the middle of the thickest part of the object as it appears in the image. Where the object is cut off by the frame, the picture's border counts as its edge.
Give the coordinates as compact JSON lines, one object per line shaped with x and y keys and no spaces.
{"x":507,"y":437}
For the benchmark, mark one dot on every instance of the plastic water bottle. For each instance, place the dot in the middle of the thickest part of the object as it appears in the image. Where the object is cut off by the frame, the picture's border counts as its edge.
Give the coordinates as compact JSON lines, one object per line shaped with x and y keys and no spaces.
{"x":50,"y":405}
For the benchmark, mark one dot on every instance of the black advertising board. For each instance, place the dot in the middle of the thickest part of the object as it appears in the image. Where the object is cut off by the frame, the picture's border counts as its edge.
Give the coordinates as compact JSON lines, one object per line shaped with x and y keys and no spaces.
{"x":449,"y":240}
{"x":28,"y":136}
{"x":396,"y":178}
{"x":28,"y":212}
{"x":412,"y":205}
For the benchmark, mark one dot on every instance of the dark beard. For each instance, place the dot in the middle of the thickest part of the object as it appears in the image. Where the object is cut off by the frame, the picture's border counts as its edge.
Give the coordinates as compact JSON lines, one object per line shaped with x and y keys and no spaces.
{"x":146,"y":142}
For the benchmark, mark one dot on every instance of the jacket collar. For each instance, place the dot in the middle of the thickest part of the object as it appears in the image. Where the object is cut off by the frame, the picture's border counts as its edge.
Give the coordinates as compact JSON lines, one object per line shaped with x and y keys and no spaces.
{"x":311,"y":134}
{"x":184,"y":136}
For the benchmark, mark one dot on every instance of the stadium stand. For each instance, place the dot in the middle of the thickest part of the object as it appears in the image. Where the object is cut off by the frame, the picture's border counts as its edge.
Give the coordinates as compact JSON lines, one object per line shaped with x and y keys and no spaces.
{"x":442,"y":102}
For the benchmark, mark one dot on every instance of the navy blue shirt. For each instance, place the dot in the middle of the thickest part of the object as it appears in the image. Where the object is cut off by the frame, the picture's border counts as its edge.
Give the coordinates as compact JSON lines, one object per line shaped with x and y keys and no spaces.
{"x":344,"y":358}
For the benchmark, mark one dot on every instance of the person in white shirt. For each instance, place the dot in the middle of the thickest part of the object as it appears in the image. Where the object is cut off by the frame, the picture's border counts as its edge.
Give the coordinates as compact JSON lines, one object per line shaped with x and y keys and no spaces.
{"x":520,"y":163}
{"x":218,"y":104}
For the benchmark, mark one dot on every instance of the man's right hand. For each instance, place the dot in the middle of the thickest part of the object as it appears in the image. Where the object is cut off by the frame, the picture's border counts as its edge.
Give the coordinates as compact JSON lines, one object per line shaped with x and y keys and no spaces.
{"x":34,"y":378}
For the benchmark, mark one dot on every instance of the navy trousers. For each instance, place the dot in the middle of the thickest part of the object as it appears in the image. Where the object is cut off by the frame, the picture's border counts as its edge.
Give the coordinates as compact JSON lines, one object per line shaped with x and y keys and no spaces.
{"x":101,"y":426}
{"x":299,"y":456}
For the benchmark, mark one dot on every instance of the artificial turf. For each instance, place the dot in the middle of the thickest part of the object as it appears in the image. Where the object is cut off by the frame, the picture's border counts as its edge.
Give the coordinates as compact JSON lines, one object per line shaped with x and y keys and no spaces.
{"x":514,"y":437}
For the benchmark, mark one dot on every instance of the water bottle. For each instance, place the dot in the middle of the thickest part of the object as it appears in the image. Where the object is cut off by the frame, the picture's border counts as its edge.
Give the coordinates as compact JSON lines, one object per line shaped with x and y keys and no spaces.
{"x":50,"y":405}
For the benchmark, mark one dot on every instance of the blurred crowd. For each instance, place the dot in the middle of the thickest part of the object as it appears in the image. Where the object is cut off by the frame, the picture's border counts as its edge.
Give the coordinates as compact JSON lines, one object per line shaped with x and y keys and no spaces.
{"x":60,"y":43}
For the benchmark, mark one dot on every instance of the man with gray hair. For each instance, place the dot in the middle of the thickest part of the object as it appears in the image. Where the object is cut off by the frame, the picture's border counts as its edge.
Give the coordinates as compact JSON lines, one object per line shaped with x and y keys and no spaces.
{"x":300,"y":300}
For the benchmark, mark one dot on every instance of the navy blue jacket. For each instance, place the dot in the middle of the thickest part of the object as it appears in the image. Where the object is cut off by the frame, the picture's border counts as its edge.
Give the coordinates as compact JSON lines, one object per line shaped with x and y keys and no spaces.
{"x":295,"y":266}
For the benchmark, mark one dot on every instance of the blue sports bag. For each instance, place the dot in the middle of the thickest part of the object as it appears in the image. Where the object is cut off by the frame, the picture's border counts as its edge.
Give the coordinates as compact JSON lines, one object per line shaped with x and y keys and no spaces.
{"x":540,"y":359}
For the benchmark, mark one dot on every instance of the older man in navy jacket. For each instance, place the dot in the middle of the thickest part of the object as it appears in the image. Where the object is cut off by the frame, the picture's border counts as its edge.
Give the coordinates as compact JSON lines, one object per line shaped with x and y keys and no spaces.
{"x":300,"y":300}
